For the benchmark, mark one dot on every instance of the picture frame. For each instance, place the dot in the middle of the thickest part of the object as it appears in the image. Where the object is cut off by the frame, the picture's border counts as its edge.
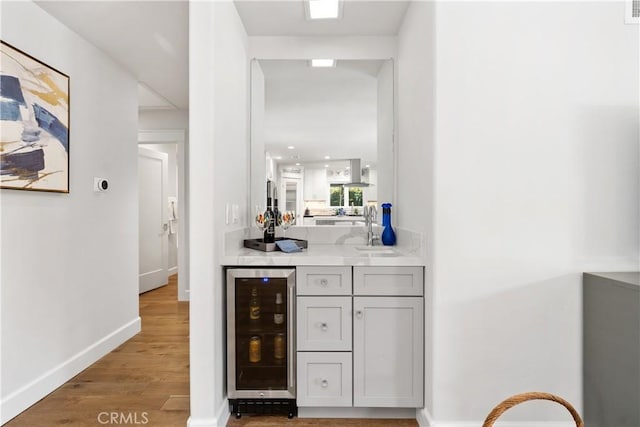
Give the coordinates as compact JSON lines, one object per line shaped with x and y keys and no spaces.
{"x":34,"y":128}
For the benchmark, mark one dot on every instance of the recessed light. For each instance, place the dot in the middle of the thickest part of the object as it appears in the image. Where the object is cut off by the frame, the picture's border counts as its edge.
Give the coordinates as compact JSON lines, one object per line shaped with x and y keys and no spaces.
{"x":327,"y":157}
{"x":323,"y":63}
{"x":291,"y":147}
{"x":323,"y":9}
{"x":326,"y":166}
{"x":348,"y":167}
{"x":278,"y":157}
{"x":297,"y":164}
{"x":367,"y":166}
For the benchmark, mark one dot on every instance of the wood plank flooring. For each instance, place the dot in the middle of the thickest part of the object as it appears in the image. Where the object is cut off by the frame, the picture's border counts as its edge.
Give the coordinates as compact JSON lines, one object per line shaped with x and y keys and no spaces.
{"x":146,"y":378}
{"x":145,"y":381}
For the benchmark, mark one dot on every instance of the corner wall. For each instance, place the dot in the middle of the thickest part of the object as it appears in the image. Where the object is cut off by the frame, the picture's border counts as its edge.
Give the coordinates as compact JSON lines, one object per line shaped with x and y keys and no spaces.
{"x":535,"y":159}
{"x":69,"y":265}
{"x":415,"y":163}
{"x":218,"y":174}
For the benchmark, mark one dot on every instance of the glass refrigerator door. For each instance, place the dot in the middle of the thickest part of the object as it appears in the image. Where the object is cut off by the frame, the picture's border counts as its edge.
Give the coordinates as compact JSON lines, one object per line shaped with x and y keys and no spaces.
{"x":261,"y":333}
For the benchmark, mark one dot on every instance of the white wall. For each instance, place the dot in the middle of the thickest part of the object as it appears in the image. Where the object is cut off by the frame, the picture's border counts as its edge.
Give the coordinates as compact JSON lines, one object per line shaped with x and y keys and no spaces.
{"x":536,"y":180}
{"x":171,"y":150}
{"x":69,"y":264}
{"x":219,"y":120}
{"x":340,"y":47}
{"x":415,"y":82}
{"x":163,"y":119}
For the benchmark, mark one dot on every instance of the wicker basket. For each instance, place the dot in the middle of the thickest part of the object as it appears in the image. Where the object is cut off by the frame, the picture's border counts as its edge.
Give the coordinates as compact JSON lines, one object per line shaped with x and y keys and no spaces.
{"x":523,"y":397}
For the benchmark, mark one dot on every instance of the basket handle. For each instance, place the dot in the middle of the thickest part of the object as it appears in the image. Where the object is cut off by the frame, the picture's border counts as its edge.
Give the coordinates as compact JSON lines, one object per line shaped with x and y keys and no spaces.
{"x":523,"y":397}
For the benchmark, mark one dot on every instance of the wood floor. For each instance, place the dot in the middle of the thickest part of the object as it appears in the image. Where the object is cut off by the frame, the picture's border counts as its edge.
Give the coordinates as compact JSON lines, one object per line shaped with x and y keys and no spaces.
{"x":145,"y":381}
{"x":145,"y":378}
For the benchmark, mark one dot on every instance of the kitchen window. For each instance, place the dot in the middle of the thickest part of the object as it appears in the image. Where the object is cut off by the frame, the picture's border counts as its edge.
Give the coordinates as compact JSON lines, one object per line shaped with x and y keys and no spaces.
{"x":343,"y":196}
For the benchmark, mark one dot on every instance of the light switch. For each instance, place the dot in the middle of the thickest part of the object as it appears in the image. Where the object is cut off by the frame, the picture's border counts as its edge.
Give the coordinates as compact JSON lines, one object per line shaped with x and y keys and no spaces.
{"x":235,"y":214}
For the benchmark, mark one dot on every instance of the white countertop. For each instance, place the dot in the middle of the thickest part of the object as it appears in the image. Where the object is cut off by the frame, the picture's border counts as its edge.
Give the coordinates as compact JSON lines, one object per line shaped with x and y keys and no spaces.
{"x":325,"y":254}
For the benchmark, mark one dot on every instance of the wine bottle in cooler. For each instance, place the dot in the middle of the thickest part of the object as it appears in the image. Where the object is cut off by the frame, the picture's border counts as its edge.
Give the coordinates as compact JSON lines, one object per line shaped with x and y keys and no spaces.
{"x":270,"y":232}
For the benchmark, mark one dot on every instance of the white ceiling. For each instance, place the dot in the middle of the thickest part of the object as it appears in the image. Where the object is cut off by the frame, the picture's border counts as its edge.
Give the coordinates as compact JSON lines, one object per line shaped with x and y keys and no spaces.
{"x":287,"y":18}
{"x":321,"y":111}
{"x":148,"y":38}
{"x":151,"y":38}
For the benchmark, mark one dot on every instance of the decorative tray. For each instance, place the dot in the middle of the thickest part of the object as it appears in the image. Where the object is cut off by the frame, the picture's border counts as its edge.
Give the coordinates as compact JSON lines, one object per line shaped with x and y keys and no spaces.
{"x":260,"y":245}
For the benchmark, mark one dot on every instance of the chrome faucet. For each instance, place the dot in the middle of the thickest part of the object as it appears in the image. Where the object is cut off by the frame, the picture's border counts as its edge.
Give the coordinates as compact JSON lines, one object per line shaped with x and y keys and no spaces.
{"x":370,"y":216}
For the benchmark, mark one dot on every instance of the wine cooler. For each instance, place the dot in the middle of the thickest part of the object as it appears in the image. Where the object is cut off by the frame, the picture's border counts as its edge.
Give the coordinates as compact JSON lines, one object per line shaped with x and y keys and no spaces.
{"x":261,"y":368}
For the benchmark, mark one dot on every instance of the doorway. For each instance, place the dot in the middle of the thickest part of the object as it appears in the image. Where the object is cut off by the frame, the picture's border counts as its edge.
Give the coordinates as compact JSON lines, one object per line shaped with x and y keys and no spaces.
{"x":163,"y":213}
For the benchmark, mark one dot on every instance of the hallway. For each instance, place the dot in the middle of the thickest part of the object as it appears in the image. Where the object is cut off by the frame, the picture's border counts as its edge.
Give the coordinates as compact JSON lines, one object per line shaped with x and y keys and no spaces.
{"x":144,"y":381}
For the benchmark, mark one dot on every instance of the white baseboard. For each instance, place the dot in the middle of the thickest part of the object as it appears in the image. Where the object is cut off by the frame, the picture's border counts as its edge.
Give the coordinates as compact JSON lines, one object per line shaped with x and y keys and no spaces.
{"x":349,"y":412}
{"x":27,"y":395}
{"x":223,"y":413}
{"x":220,"y":420}
{"x":173,"y":270}
{"x":504,"y":424}
{"x":424,"y":418}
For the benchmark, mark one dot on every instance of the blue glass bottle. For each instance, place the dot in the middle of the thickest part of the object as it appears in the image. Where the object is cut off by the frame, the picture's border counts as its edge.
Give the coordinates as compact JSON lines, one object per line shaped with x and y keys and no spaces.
{"x":388,"y":235}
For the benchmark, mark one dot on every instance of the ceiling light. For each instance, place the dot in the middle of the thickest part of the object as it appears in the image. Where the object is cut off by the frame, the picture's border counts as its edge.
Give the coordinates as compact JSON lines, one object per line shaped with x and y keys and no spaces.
{"x":327,"y":157}
{"x":325,"y":63}
{"x":326,"y":166}
{"x":297,"y":164}
{"x":323,"y":9}
{"x":278,"y":157}
{"x":367,"y":166}
{"x":291,"y":147}
{"x":348,"y":167}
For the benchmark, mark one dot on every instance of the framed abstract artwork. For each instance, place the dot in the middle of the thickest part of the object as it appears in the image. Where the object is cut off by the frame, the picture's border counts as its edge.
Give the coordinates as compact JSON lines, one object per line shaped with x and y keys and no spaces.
{"x":34,"y":123}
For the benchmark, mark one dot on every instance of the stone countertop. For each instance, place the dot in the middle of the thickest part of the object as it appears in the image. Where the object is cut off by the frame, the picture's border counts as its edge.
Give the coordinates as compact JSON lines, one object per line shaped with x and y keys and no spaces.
{"x":325,"y":254}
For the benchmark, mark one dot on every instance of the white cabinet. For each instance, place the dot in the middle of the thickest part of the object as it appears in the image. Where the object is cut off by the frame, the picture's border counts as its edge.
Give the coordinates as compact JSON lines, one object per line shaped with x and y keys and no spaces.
{"x":388,"y":281}
{"x":375,"y":332}
{"x":324,"y":379}
{"x":388,"y":352}
{"x":323,"y":323}
{"x":323,"y":281}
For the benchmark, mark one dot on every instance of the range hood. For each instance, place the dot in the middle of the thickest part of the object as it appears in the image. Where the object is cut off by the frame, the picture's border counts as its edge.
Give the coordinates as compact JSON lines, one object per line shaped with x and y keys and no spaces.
{"x":356,"y":174}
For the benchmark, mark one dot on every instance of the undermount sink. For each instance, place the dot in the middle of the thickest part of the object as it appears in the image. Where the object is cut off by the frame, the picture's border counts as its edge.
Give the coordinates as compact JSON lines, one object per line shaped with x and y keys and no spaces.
{"x":383,"y":250}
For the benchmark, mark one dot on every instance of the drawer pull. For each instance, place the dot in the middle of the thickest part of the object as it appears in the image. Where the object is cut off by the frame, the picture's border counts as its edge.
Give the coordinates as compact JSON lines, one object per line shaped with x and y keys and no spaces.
{"x":324,"y":326}
{"x":324,"y":383}
{"x":359,"y":314}
{"x":324,"y":282}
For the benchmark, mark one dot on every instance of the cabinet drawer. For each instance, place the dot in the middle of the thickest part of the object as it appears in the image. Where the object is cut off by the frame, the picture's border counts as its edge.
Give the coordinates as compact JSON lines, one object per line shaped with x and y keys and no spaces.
{"x":323,"y":323}
{"x":323,"y":280}
{"x":324,"y":379}
{"x":388,"y":281}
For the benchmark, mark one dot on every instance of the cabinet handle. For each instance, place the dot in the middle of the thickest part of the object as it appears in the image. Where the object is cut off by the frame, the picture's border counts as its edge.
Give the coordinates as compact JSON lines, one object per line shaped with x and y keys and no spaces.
{"x":324,"y":282}
{"x":324,"y":326}
{"x":359,"y":314}
{"x":324,"y":383}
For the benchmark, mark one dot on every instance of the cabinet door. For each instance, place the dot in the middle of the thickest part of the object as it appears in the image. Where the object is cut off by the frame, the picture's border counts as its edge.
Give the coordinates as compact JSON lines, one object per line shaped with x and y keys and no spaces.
{"x":324,"y":379}
{"x":323,"y":323}
{"x":388,"y":367}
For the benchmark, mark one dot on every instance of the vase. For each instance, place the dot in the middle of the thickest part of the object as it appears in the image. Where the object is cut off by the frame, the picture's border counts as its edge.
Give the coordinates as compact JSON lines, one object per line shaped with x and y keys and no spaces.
{"x":388,"y":235}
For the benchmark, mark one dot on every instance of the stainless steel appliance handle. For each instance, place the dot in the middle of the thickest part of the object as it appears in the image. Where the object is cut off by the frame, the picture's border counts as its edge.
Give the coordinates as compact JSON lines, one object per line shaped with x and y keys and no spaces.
{"x":291,"y":341}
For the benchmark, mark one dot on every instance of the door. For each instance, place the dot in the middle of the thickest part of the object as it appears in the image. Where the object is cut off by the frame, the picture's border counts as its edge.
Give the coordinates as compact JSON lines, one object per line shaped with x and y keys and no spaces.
{"x":152,"y":218}
{"x":387,"y":352}
{"x":292,"y":195}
